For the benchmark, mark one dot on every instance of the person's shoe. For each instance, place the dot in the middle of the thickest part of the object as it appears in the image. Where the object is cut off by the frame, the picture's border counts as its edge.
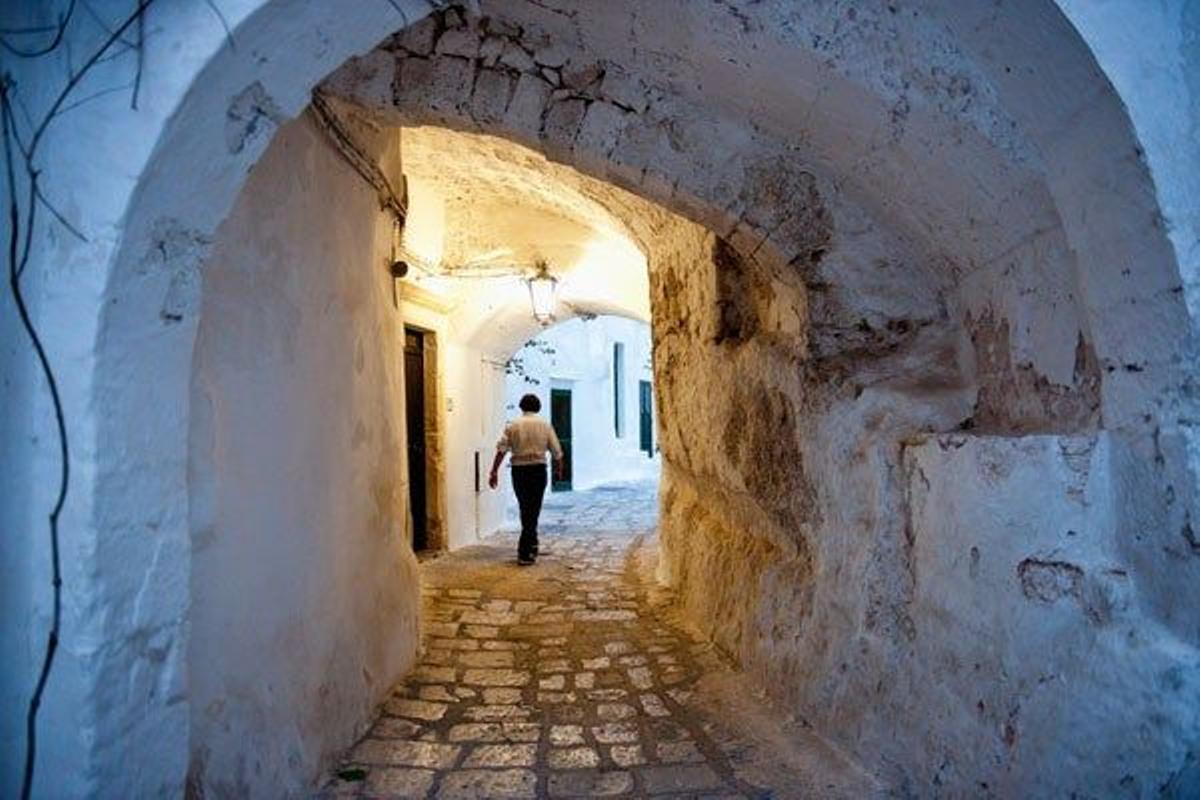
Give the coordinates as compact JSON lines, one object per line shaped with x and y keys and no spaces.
{"x":525,"y":561}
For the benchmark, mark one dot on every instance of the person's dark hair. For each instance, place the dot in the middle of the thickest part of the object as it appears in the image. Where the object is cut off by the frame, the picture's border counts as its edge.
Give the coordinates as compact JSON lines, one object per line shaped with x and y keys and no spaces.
{"x":530,"y":402}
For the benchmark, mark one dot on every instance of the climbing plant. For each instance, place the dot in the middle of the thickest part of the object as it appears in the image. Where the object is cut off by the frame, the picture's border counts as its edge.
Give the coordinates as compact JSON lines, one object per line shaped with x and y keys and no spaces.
{"x":39,"y":49}
{"x":517,"y":366}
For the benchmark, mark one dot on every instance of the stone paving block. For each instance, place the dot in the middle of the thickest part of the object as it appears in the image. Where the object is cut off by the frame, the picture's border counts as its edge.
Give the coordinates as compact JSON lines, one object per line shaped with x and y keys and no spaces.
{"x":556,"y":697}
{"x":678,"y":752}
{"x":615,"y":733}
{"x":673,"y":678}
{"x":399,"y":782}
{"x":627,"y":755}
{"x":494,"y":732}
{"x":496,"y":713}
{"x":573,"y":758}
{"x":589,"y":783}
{"x":415,"y":709}
{"x":566,"y":714}
{"x":498,"y":658}
{"x":453,"y":644}
{"x":501,"y":645}
{"x":438,"y":658}
{"x":565,"y":735}
{"x":481,"y":631}
{"x":501,"y":755}
{"x":585,"y":680}
{"x":496,"y":677}
{"x":653,"y":705}
{"x":393,"y":728}
{"x":679,"y":778}
{"x":605,"y":615}
{"x":552,"y":630}
{"x":554,"y":682}
{"x":437,"y":694}
{"x":612,"y":712}
{"x":667,"y":731}
{"x":501,"y":696}
{"x":492,"y":618}
{"x":472,"y":594}
{"x":399,"y":752}
{"x":610,"y":678}
{"x":488,"y":784}
{"x":441,"y":630}
{"x":555,"y":665}
{"x":497,"y":606}
{"x":680,"y":696}
{"x":641,"y":678}
{"x":603,"y":662}
{"x":431,"y":674}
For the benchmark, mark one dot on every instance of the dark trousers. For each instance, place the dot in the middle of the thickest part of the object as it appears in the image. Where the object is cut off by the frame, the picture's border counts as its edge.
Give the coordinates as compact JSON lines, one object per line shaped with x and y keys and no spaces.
{"x":529,"y":483}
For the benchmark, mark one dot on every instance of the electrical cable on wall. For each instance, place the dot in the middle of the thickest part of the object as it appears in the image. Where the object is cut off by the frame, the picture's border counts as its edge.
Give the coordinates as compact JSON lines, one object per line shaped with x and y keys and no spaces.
{"x":354,"y":155}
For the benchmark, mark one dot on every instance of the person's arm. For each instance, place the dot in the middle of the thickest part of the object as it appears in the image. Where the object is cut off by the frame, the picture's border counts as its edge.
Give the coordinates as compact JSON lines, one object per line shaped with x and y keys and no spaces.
{"x":556,"y":455}
{"x":494,"y":477}
{"x":502,"y":447}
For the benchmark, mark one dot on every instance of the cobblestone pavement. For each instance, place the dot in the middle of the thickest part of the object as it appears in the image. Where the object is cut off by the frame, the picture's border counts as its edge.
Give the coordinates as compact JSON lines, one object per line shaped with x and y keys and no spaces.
{"x":575,"y":678}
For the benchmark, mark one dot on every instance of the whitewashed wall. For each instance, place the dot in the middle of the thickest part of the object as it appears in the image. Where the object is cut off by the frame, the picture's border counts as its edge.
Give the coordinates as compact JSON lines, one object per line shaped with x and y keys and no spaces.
{"x":304,"y":590}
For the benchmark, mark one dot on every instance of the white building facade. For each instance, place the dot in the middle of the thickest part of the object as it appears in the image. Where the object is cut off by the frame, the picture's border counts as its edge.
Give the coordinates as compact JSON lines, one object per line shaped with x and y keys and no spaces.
{"x":593,"y":376}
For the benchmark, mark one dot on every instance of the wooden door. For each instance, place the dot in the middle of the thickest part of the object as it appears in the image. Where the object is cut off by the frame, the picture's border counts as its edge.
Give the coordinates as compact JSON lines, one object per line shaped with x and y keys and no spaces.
{"x":414,"y":404}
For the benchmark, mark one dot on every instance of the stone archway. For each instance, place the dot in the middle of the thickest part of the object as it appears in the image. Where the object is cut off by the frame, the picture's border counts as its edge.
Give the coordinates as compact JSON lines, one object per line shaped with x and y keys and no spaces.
{"x":1085,"y":305}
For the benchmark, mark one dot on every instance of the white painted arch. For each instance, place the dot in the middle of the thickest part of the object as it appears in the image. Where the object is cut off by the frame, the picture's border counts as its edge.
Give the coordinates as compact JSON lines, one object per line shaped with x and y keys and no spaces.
{"x":109,"y":701}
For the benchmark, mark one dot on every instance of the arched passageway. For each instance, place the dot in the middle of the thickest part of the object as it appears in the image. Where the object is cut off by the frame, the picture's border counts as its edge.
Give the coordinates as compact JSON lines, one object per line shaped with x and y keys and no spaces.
{"x":921,"y":348}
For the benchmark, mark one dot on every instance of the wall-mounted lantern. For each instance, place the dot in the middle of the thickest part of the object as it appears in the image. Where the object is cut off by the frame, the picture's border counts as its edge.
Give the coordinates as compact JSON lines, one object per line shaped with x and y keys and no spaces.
{"x":542,"y":290}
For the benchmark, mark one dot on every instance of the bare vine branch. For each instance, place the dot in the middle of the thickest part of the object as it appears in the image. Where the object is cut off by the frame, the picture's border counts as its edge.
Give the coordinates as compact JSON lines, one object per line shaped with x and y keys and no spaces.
{"x":22,"y":221}
{"x":59,"y":31}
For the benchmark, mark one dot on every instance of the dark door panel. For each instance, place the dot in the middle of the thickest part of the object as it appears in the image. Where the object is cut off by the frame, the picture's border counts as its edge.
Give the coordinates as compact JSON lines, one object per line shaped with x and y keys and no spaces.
{"x":645,"y":418}
{"x":414,"y":403}
{"x":560,"y":419}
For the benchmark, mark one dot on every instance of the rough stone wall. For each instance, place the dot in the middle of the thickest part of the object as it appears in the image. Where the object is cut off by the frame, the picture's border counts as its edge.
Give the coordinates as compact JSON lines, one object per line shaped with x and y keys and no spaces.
{"x":969,"y":590}
{"x":818,"y":325}
{"x":1029,"y":638}
{"x":563,"y":83}
{"x":304,"y":592}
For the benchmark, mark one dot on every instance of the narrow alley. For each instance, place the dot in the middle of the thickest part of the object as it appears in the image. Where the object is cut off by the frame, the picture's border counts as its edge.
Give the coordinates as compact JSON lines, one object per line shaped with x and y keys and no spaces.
{"x":576,"y":678}
{"x":855,"y":348}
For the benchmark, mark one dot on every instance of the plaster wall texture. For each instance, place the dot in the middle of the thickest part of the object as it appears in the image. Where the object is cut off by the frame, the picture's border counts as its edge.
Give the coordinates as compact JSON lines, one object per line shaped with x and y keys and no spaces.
{"x":304,"y":590}
{"x":1160,"y":87}
{"x":971,"y":134}
{"x":125,"y":528}
{"x":844,"y":317}
{"x":882,"y":583}
{"x":578,"y":355}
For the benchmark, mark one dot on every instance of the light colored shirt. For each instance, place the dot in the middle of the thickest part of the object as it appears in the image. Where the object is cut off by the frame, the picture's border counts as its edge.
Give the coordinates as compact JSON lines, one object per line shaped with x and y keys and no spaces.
{"x":528,"y":437}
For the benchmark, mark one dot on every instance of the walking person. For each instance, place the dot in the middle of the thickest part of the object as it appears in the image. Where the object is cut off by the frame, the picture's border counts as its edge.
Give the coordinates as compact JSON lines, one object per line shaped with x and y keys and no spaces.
{"x":528,"y":437}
